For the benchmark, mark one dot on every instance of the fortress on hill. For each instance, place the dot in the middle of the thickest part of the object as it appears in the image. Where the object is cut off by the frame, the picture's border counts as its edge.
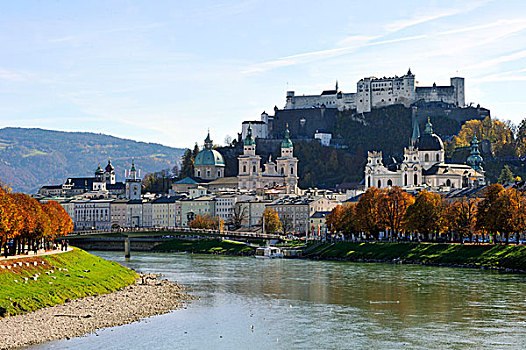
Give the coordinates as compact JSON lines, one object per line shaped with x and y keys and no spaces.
{"x":375,"y":92}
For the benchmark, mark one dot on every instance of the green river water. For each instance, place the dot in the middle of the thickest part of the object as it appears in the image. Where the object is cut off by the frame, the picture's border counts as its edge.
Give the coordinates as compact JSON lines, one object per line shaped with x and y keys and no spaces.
{"x":248,"y":303}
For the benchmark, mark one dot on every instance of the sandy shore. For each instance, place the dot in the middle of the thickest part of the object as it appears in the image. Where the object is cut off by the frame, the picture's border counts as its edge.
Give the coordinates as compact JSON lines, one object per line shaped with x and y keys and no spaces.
{"x":148,"y":297}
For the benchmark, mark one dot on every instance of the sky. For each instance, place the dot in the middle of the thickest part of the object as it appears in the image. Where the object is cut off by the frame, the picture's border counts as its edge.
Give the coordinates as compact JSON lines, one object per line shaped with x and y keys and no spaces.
{"x":167,"y":71}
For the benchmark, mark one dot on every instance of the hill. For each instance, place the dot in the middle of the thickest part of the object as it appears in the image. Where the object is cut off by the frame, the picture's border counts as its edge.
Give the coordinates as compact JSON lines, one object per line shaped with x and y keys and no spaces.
{"x":30,"y":158}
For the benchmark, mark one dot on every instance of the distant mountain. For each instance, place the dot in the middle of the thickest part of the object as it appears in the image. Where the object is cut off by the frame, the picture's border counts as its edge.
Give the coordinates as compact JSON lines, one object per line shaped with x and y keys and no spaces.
{"x":30,"y":158}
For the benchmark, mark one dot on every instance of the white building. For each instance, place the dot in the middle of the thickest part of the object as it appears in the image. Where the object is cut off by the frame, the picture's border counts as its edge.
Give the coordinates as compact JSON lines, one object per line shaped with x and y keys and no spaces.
{"x":224,"y":206}
{"x":133,"y":184}
{"x":259,"y":127}
{"x":283,"y":172}
{"x":324,"y":137}
{"x":375,"y":92}
{"x":92,"y":214}
{"x":423,"y":166}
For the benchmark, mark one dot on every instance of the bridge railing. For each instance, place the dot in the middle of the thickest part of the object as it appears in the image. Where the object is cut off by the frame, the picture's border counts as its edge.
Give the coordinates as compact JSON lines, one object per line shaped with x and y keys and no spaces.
{"x":180,"y":230}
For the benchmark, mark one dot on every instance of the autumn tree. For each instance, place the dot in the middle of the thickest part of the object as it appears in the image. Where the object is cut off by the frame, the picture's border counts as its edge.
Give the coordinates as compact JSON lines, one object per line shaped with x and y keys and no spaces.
{"x":506,"y":176}
{"x":425,"y":214}
{"x":487,"y":210}
{"x":392,"y":207}
{"x":207,"y":222}
{"x":368,"y":212}
{"x":10,"y":219}
{"x":271,"y":220}
{"x":461,"y":217}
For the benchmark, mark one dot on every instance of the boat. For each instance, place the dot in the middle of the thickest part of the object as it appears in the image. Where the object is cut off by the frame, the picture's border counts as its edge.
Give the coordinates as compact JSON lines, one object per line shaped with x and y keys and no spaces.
{"x":268,"y":253}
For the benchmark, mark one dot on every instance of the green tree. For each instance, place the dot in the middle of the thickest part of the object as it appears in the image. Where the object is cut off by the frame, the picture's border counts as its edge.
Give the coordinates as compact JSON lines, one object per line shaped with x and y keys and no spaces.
{"x":506,"y":175}
{"x":187,"y":168}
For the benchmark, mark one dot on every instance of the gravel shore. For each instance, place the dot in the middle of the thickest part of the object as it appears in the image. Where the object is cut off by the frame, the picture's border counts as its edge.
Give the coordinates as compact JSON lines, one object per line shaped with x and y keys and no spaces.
{"x":148,"y":297}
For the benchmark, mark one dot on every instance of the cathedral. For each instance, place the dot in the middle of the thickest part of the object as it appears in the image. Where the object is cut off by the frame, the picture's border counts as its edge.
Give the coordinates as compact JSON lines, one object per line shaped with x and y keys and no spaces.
{"x":424,"y":165}
{"x":282,"y":172}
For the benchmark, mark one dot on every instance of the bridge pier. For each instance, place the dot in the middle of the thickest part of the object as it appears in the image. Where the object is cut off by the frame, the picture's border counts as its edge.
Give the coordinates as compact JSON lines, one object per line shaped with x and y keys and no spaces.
{"x":127,"y":247}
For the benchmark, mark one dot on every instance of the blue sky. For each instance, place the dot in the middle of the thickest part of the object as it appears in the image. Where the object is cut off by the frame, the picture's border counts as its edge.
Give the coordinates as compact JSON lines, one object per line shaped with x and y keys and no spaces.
{"x":165,"y":71}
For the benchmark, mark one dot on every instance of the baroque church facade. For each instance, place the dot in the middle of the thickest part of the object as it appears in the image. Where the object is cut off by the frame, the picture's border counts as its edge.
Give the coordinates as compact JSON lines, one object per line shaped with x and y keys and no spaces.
{"x":282,"y":172}
{"x":424,"y":165}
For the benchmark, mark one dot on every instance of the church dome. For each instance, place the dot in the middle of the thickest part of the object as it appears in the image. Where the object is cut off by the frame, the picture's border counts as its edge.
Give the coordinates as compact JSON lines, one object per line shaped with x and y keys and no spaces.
{"x":429,"y":141}
{"x":209,"y":157}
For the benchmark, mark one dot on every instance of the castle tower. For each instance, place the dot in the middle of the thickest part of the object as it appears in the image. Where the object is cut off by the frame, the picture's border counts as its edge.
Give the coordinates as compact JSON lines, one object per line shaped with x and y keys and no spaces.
{"x":133,"y":184}
{"x":99,"y":184}
{"x":99,"y":174}
{"x":458,"y":84}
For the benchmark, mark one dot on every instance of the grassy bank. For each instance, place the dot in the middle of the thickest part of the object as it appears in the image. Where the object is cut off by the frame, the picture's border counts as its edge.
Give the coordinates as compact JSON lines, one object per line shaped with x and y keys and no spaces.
{"x":206,"y":246}
{"x":63,"y":276}
{"x":495,"y":256}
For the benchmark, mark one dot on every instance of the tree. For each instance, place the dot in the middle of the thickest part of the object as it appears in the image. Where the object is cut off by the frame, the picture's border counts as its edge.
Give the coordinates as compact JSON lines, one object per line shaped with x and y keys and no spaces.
{"x":239,"y":216}
{"x":187,"y":168}
{"x":425,"y":214}
{"x":207,"y":222}
{"x":392,"y":207}
{"x":195,"y":151}
{"x":368,"y":214}
{"x":487,"y":210}
{"x":10,"y":218}
{"x":506,"y":176}
{"x":461,"y":217}
{"x":271,"y":219}
{"x":286,"y":223}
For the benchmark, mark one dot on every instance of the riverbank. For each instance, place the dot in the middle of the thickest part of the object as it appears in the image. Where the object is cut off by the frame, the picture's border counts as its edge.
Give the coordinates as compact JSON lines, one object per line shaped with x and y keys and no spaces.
{"x":206,"y":246}
{"x":509,"y":258}
{"x":33,"y":283}
{"x":148,"y":297}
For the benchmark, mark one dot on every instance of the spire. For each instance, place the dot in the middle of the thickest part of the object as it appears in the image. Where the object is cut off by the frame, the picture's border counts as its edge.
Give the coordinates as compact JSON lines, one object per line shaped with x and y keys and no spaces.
{"x":429,"y":127}
{"x":475,"y":159}
{"x":249,"y":141}
{"x":286,"y":143}
{"x":416,"y":132}
{"x":409,"y":72}
{"x":208,"y":141}
{"x":336,"y":87}
{"x":99,"y":171}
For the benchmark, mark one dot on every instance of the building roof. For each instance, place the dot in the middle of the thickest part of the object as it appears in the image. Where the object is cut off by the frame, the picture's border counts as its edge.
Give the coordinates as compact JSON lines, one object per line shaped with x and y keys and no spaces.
{"x":320,"y":214}
{"x":429,"y":141}
{"x":186,"y":181}
{"x":229,"y":180}
{"x":209,"y":157}
{"x":253,"y":122}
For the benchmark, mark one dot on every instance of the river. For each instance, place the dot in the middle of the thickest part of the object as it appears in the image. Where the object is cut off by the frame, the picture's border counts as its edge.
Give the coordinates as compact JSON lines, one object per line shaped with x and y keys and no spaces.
{"x":248,"y":303}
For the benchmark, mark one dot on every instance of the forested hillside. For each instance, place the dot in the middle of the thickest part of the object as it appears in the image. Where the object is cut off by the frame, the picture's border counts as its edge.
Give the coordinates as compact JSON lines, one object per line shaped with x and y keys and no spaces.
{"x":30,"y":158}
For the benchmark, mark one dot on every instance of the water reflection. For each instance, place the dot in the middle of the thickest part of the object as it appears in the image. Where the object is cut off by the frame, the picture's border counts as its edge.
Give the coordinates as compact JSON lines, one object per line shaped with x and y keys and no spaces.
{"x":252,"y":303}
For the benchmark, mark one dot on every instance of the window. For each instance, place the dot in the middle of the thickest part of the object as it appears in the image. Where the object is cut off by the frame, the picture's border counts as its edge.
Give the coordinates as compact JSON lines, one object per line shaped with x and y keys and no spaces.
{"x":282,"y":171}
{"x":198,"y":173}
{"x":415,"y":179}
{"x":379,"y":183}
{"x":254,"y":169}
{"x":405,"y":180}
{"x":426,"y":157}
{"x":438,"y":157}
{"x":244,"y":168}
{"x":291,"y":170}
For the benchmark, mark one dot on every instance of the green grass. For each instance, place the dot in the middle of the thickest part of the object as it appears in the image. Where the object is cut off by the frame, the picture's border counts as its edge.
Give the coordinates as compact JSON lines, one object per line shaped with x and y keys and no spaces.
{"x":103,"y":277}
{"x":512,"y":256}
{"x":35,"y":152}
{"x":206,"y":246}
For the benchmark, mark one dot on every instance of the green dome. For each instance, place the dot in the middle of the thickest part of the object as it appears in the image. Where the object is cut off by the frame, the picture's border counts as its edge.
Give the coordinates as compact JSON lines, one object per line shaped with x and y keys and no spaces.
{"x":286,"y":143}
{"x":209,"y":157}
{"x":99,"y":171}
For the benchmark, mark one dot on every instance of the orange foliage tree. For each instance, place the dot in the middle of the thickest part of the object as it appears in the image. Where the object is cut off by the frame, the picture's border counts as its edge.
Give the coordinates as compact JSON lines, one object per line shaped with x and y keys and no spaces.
{"x":392,"y":208}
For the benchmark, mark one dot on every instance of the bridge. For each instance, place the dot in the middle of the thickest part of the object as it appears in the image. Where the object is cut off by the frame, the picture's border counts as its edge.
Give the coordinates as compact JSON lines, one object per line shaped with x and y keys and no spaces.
{"x":149,"y":237}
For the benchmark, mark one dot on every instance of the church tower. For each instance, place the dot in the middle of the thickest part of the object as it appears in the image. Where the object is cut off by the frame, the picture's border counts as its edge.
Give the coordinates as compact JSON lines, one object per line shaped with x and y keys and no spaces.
{"x":288,"y":164}
{"x":249,"y":164}
{"x":133,"y":184}
{"x":109,"y":173}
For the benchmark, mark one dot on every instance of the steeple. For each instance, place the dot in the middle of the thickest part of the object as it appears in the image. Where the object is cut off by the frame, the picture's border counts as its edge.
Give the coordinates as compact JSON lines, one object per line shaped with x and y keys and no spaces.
{"x":475,"y":159}
{"x":286,"y":143}
{"x":429,"y":127}
{"x":409,"y":72}
{"x":416,"y":132}
{"x":249,"y":141}
{"x":336,"y":87}
{"x":208,"y":141}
